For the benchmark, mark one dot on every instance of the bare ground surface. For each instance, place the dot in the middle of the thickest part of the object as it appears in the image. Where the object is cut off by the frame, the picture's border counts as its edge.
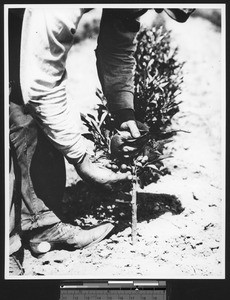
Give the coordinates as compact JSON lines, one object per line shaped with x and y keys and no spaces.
{"x":180,"y":221}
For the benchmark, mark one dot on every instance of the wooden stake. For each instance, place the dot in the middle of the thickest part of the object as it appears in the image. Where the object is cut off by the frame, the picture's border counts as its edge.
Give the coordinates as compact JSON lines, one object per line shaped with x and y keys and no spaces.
{"x":134,"y":211}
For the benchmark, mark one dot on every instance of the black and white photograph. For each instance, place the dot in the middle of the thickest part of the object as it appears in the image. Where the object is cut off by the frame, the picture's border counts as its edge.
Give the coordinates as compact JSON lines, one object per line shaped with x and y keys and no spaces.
{"x":115,"y":141}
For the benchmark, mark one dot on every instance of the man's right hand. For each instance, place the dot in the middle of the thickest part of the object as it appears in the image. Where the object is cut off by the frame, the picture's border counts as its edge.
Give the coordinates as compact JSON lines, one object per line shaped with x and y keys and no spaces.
{"x":100,"y":176}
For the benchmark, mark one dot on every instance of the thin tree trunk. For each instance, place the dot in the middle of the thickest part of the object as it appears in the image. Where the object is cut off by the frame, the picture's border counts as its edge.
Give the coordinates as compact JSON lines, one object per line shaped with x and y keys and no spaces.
{"x":134,"y":212}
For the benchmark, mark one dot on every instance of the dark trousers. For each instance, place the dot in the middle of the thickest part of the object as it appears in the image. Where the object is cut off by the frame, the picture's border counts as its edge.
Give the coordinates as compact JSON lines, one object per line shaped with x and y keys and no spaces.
{"x":37,"y":174}
{"x":37,"y":169}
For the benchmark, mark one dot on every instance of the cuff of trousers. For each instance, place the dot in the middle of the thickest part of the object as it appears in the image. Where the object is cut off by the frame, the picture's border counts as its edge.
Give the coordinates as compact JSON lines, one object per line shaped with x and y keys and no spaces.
{"x":39,"y":220}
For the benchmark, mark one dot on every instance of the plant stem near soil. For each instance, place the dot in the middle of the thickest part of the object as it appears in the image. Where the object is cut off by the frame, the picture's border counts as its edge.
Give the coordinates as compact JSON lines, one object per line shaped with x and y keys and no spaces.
{"x":134,"y":209}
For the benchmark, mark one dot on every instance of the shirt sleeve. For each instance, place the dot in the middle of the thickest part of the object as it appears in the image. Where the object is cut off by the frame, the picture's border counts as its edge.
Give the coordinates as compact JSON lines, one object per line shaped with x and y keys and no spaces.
{"x":115,"y":56}
{"x":47,"y":36}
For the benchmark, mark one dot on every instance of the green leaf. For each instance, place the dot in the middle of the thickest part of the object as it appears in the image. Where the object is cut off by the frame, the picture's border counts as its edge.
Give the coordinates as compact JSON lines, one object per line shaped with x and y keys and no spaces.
{"x":91,"y":116}
{"x":104,"y":115}
{"x":153,"y":167}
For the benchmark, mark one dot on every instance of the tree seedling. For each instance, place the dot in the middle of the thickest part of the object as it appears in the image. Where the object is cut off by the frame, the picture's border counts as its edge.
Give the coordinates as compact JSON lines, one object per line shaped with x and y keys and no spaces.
{"x":158,"y":79}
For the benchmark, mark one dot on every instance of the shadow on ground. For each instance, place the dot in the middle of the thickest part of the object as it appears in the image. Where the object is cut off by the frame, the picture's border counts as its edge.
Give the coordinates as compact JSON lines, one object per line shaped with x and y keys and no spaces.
{"x":86,"y":206}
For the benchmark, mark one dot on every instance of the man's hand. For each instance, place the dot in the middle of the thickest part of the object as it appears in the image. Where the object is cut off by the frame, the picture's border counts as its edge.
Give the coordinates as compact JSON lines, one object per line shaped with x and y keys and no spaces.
{"x":131,"y":126}
{"x":100,"y":176}
{"x":132,"y":129}
{"x":126,"y":121}
{"x":125,"y":144}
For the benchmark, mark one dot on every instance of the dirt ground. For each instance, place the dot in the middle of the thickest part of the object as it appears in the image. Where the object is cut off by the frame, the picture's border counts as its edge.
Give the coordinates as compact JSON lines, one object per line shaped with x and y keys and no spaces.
{"x":181,"y":220}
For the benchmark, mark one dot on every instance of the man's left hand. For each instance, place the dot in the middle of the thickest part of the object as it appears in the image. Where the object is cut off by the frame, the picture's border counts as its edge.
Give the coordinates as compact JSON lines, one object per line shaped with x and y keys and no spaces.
{"x":131,"y":126}
{"x":123,"y":143}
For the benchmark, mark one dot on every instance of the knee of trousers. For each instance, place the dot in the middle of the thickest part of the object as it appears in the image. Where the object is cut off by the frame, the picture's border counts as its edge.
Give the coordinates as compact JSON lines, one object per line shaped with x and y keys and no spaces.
{"x":23,"y":128}
{"x":18,"y":118}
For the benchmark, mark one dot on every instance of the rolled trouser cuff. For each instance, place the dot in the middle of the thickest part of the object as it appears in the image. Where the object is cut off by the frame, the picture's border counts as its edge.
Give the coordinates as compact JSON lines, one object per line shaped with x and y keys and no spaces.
{"x":30,"y":222}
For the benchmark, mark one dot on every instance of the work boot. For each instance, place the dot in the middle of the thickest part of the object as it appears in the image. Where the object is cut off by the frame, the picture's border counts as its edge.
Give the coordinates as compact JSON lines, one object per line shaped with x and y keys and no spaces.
{"x":62,"y":234}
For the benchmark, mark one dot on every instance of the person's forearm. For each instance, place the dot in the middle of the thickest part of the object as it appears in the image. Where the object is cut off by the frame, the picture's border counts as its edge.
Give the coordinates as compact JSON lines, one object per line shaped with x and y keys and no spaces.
{"x":47,"y":36}
{"x":115,"y":59}
{"x":61,"y":124}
